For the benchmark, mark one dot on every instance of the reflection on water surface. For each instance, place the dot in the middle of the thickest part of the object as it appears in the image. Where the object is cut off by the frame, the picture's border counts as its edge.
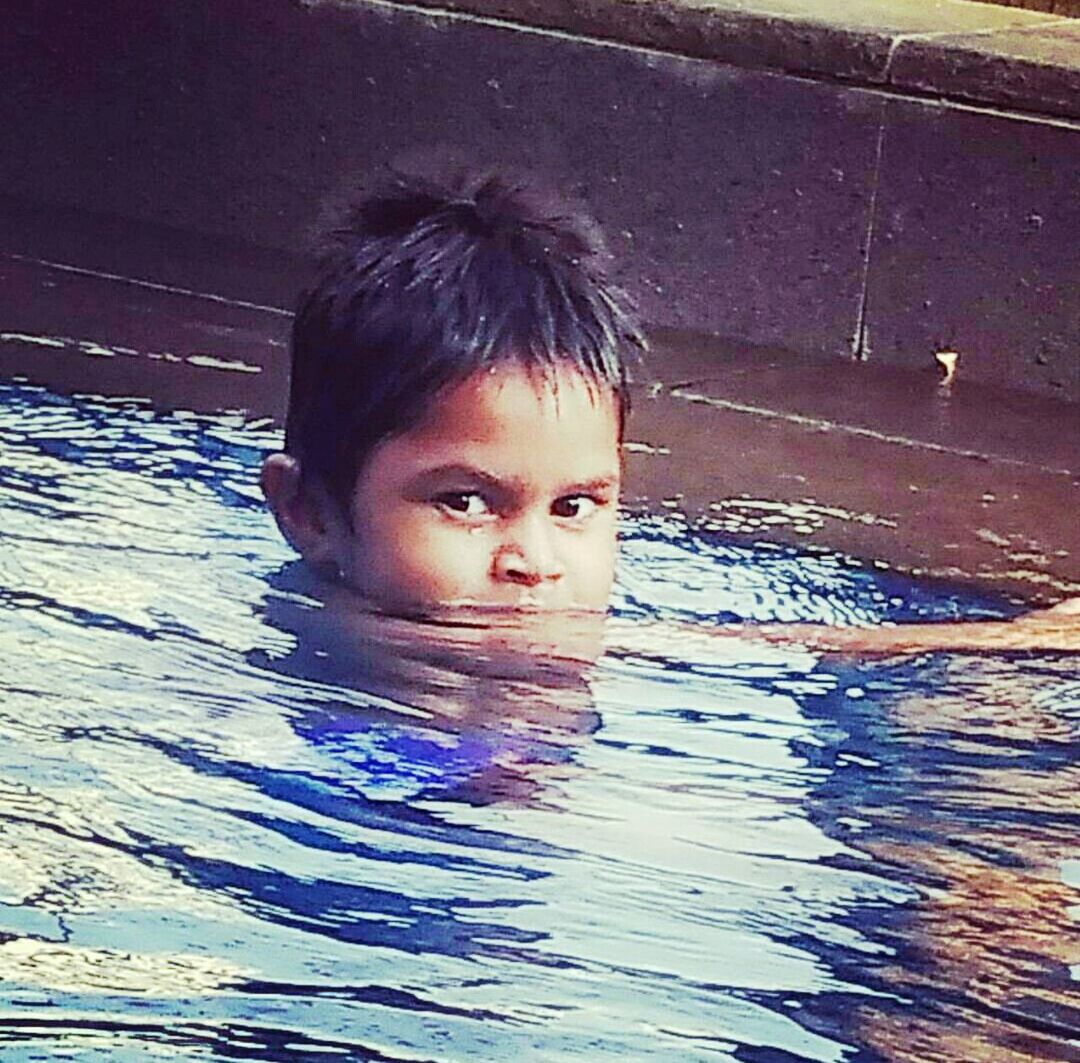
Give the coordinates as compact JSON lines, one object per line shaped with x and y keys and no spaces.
{"x":232,"y":830}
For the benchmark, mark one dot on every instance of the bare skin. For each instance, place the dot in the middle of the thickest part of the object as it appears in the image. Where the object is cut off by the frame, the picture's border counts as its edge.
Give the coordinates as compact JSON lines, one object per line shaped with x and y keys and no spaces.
{"x":1053,"y":630}
{"x":504,"y":500}
{"x":505,"y":495}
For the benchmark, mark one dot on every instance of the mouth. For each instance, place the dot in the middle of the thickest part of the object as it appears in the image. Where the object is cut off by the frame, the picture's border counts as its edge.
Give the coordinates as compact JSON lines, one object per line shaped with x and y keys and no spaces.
{"x":530,"y":602}
{"x":521,"y":607}
{"x":526,"y":605}
{"x":506,"y":599}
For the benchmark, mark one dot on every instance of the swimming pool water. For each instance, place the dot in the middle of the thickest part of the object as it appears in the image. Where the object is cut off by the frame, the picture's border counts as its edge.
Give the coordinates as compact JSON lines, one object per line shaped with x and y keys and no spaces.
{"x":222,"y":839}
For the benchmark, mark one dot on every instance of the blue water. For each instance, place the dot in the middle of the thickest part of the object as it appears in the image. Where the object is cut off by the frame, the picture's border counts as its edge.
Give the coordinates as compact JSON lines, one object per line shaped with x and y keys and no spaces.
{"x":224,"y":837}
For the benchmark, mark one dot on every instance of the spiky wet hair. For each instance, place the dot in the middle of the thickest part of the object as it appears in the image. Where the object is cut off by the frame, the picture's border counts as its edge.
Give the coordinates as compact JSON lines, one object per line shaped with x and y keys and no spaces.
{"x":424,"y":285}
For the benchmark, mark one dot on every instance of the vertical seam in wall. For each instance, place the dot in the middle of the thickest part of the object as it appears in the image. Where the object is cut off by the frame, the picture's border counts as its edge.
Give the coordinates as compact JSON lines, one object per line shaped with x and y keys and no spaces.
{"x":860,"y":340}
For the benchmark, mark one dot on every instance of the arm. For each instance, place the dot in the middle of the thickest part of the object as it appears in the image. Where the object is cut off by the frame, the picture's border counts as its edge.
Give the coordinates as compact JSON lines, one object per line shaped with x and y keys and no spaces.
{"x":1054,"y":630}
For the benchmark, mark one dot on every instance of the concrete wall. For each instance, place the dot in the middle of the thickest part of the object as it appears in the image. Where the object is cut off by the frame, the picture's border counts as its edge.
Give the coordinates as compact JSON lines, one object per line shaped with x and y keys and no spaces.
{"x":772,"y":209}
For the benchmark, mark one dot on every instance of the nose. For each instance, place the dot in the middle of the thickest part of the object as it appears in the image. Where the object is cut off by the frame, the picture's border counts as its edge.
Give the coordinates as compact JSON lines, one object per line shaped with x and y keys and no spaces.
{"x":527,"y":556}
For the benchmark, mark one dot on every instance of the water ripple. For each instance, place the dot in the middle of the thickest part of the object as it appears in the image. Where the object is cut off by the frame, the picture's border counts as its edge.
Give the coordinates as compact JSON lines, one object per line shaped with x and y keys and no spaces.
{"x":227,"y":833}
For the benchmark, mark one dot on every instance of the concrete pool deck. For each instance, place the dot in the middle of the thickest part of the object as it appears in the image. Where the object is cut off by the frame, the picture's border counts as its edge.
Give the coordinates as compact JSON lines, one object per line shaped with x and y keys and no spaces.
{"x":967,"y":482}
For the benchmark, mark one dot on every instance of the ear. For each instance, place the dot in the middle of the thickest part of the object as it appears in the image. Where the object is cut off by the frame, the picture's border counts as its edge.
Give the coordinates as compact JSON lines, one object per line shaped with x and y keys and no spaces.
{"x":307,"y":516}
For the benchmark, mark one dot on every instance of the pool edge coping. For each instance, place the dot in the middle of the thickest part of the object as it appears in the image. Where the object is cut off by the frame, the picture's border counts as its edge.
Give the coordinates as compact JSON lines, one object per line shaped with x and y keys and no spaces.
{"x":970,"y":53}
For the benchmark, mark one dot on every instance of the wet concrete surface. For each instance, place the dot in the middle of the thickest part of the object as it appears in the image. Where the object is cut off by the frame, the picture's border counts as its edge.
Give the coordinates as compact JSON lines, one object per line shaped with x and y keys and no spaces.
{"x":963,"y":482}
{"x":969,"y":482}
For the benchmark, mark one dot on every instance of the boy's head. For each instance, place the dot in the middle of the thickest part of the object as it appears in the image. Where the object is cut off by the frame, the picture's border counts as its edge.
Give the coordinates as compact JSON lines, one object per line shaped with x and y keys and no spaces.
{"x":457,"y":401}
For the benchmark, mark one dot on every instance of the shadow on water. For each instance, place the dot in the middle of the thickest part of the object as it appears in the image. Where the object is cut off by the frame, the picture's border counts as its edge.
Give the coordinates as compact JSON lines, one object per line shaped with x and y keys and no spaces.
{"x":240,"y":819}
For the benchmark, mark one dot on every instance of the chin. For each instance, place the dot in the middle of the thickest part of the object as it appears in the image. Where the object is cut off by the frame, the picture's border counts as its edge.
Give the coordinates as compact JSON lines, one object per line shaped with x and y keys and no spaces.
{"x":501,"y":598}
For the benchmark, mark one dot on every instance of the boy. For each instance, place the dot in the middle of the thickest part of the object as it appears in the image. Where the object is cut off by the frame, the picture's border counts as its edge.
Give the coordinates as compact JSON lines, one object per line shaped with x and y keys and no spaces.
{"x":458,"y":400}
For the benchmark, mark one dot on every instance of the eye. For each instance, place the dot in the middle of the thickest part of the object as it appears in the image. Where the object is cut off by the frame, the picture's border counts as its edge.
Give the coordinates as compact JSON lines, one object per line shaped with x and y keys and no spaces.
{"x":575,"y":507}
{"x":469,"y":504}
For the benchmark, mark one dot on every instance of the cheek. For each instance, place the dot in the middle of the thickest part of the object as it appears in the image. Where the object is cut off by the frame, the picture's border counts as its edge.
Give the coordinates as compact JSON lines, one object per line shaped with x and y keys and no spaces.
{"x":420,"y":557}
{"x":594,"y":565}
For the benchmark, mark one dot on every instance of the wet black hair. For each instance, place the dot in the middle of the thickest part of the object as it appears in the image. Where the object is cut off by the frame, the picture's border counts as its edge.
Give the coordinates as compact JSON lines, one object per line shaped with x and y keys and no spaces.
{"x":425,"y":284}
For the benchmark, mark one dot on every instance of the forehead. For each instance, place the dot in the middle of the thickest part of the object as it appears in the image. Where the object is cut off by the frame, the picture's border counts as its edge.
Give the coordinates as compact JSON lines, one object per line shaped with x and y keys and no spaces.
{"x":512,"y":421}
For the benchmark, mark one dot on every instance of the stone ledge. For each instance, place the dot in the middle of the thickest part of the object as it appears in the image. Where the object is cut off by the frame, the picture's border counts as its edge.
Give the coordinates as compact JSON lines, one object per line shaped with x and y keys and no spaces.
{"x":954,"y":49}
{"x":1031,"y":68}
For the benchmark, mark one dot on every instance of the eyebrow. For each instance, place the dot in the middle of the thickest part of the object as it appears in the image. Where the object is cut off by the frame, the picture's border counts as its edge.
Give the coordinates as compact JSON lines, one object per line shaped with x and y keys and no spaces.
{"x":432,"y":478}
